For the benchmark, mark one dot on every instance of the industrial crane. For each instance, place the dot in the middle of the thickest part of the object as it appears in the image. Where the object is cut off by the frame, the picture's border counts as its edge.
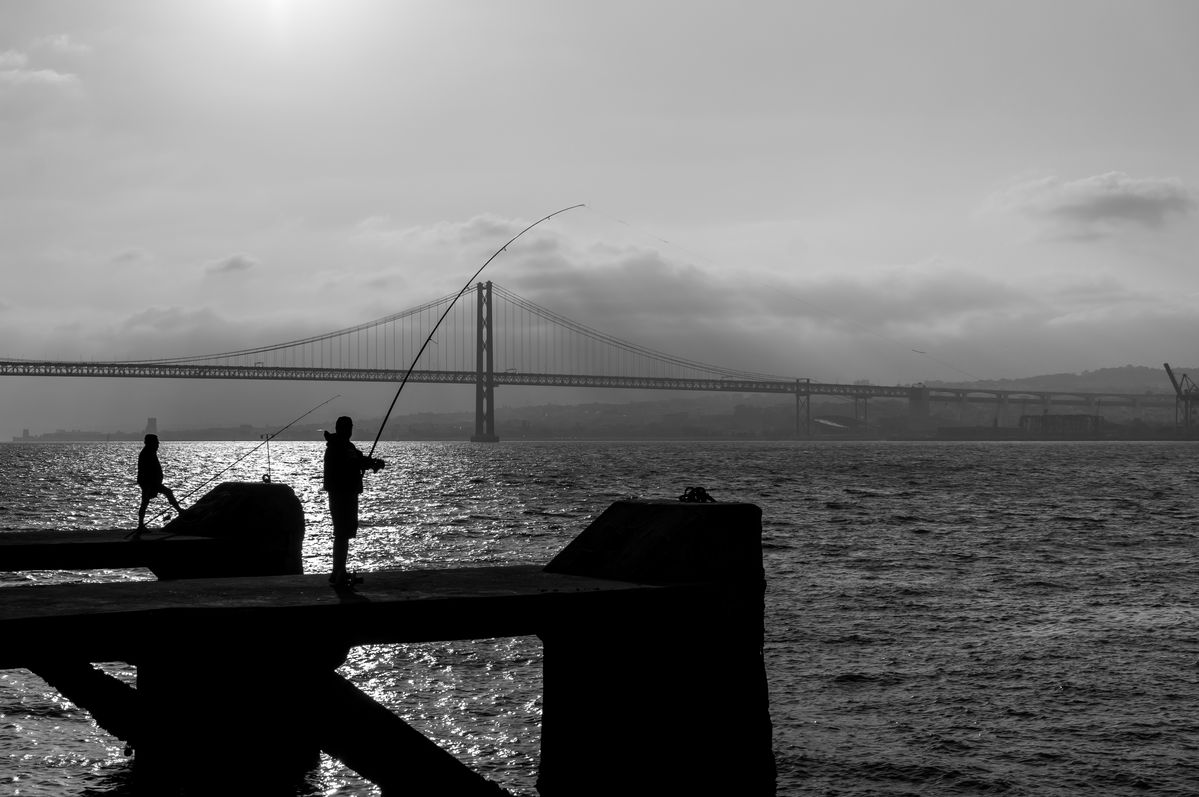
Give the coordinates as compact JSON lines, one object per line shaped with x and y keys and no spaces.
{"x":1187,"y":393}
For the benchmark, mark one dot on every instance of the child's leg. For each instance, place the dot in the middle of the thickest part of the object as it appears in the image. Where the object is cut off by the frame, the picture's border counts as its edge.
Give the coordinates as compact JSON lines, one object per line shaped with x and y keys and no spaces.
{"x":171,"y":497}
{"x":141,"y":510}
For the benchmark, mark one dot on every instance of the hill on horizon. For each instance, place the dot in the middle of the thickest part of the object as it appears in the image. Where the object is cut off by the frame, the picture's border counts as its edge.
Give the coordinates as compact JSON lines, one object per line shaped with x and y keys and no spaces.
{"x":1122,"y":379}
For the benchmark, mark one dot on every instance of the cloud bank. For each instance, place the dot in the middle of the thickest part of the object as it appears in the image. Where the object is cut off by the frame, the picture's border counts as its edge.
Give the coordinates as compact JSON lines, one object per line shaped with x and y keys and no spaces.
{"x":231,"y":264}
{"x":16,"y":68}
{"x":1098,"y":206}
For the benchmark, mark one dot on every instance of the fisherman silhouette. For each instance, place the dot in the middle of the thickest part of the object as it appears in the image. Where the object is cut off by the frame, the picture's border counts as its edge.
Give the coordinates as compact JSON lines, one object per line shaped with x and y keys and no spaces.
{"x":344,"y":465}
{"x":149,"y":478}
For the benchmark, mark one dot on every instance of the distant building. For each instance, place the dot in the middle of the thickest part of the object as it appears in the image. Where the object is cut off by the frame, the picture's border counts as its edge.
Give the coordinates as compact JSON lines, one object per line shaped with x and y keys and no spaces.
{"x":1062,"y":425}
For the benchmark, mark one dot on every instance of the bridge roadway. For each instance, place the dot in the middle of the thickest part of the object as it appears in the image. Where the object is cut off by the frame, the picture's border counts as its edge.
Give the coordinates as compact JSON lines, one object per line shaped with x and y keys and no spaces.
{"x":797,"y":387}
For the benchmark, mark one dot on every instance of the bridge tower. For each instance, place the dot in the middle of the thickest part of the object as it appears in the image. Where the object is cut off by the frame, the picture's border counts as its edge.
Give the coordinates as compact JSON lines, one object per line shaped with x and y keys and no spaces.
{"x":484,"y":369}
{"x":803,"y":408}
{"x":918,"y":409}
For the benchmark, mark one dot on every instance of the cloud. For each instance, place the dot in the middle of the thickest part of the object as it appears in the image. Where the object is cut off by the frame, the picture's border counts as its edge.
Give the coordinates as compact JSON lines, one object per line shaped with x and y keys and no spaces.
{"x":430,"y":259}
{"x":36,"y":77}
{"x":1098,"y":206}
{"x":382,"y":232}
{"x":60,"y":44}
{"x":171,"y":332}
{"x":33,"y":96}
{"x":24,"y":78}
{"x":925,"y":295}
{"x":231,"y":264}
{"x":845,"y":325}
{"x":170,"y":319}
{"x":640,"y":289}
{"x":133,"y":256}
{"x":16,"y":69}
{"x":11,"y":59}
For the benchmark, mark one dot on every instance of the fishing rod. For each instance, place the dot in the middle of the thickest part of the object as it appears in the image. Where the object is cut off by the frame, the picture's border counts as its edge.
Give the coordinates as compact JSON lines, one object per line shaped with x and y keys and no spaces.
{"x":449,"y":307}
{"x":266,"y":440}
{"x":266,"y":477}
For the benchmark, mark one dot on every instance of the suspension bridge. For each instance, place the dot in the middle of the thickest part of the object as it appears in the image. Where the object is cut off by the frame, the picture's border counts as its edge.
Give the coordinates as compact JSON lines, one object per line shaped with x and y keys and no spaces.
{"x":503,"y":339}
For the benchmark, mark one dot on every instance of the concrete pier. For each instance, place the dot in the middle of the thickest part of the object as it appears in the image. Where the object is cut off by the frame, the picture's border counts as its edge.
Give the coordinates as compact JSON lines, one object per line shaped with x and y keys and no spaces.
{"x":239,"y":528}
{"x":670,"y":698}
{"x":37,"y":549}
{"x":651,"y":619}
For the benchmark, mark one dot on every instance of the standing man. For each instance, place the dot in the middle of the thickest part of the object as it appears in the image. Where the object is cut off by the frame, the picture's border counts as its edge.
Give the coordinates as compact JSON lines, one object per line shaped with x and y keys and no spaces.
{"x":149,"y":478}
{"x":344,"y":465}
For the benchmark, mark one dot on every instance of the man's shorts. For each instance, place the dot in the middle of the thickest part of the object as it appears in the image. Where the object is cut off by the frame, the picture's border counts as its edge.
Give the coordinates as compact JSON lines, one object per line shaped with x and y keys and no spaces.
{"x":343,"y":508}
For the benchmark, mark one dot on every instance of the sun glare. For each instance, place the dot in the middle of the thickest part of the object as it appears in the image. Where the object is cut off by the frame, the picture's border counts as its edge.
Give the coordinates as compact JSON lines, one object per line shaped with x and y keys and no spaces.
{"x":279,"y":15}
{"x":286,"y":21}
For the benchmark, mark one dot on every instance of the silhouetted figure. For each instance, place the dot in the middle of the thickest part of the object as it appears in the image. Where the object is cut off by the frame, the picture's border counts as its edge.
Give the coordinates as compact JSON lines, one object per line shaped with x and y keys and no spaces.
{"x":344,"y":466}
{"x":149,"y":478}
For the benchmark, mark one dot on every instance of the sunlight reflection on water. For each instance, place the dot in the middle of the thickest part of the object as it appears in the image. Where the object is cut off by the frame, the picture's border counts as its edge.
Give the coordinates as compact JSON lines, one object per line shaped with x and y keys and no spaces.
{"x":940,"y":618}
{"x":435,"y":505}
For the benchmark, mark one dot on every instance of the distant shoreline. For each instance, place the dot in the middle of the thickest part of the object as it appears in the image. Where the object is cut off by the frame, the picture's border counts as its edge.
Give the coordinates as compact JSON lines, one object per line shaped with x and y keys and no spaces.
{"x":1003,"y":434}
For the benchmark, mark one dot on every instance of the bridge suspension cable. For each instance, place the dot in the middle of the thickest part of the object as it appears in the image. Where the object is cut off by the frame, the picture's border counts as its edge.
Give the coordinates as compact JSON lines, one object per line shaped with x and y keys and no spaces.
{"x":536,"y":340}
{"x":309,"y":341}
{"x":624,"y":345}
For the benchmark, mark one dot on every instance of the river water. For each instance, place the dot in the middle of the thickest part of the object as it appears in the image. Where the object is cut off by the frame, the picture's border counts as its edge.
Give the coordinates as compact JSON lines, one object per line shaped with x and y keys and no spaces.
{"x":942,"y":618}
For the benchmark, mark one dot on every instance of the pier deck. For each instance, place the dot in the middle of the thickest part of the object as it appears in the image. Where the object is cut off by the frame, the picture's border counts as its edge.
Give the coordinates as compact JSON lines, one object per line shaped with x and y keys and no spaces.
{"x":654,"y":611}
{"x":122,"y":621}
{"x":37,"y":549}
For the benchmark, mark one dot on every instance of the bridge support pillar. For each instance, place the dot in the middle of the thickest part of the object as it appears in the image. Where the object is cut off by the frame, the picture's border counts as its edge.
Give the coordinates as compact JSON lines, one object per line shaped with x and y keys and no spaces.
{"x":861,"y":410}
{"x":484,"y":369}
{"x":803,"y":408}
{"x":918,"y":409}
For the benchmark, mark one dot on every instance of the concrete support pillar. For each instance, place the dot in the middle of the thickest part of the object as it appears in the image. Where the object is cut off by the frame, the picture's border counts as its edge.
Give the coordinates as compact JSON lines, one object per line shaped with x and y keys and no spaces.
{"x":265,"y":520}
{"x":264,"y":524}
{"x":112,"y":703}
{"x":861,"y":409}
{"x":208,"y":697}
{"x":668,"y":698}
{"x":254,"y":721}
{"x":389,"y":752}
{"x":225,"y":716}
{"x":918,"y":408}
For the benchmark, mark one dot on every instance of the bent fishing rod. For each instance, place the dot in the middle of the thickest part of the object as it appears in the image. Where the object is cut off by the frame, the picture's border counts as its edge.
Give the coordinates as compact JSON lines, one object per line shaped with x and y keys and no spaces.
{"x":449,"y":307}
{"x":266,"y":440}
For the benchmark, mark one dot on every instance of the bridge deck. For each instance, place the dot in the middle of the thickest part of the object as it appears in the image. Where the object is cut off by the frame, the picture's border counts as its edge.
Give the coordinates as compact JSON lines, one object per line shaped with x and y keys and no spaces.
{"x":125,"y":621}
{"x":710,"y":383}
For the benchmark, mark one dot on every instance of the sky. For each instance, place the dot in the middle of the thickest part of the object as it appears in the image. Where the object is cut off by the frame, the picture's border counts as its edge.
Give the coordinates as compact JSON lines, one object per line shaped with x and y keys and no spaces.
{"x":898,"y":191}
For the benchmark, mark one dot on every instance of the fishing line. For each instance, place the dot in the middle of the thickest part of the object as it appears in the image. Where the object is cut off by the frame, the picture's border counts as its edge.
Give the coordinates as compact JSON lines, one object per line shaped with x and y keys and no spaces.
{"x":266,"y":477}
{"x":266,"y":440}
{"x":449,"y":307}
